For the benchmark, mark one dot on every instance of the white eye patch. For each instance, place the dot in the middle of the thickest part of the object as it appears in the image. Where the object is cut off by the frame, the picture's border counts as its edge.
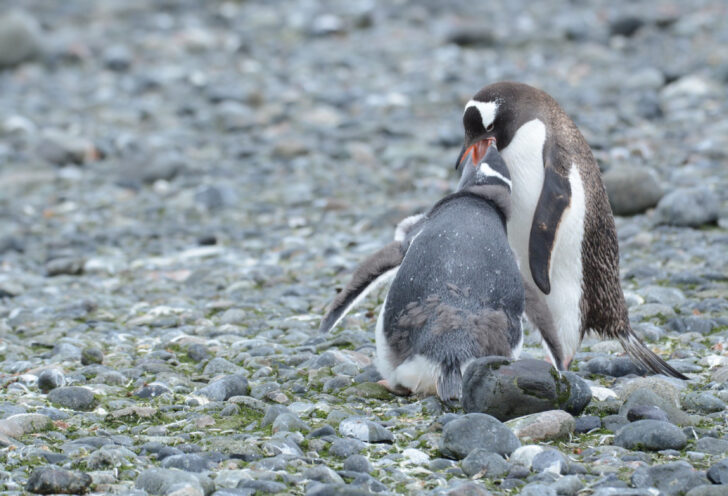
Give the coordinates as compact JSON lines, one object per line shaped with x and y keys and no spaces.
{"x":487,"y":111}
{"x":488,"y":171}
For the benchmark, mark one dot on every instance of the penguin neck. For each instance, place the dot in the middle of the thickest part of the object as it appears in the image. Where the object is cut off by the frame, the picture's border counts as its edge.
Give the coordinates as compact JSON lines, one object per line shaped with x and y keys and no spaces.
{"x":497,"y":195}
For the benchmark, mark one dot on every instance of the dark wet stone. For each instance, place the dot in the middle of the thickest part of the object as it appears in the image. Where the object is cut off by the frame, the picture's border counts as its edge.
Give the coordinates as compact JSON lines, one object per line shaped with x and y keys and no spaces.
{"x":613,"y":366}
{"x":73,"y":397}
{"x":651,"y":435}
{"x":345,"y":447}
{"x":688,"y":207}
{"x":486,"y":463}
{"x":197,"y":352}
{"x":672,"y":479}
{"x":476,"y":430}
{"x":162,"y":480}
{"x":52,"y":480}
{"x":504,"y":389}
{"x":50,"y":379}
{"x":64,"y":266}
{"x":712,"y":445}
{"x":325,"y":430}
{"x":646,"y":412}
{"x":718,"y":472}
{"x":691,"y":323}
{"x":262,"y":486}
{"x":226,"y":387}
{"x":187,"y":462}
{"x":646,"y":397}
{"x":91,"y":356}
{"x":117,"y":58}
{"x":20,"y":38}
{"x":151,"y":390}
{"x":625,"y":25}
{"x":550,"y":460}
{"x":586,"y":423}
{"x":631,"y":189}
{"x":357,"y":463}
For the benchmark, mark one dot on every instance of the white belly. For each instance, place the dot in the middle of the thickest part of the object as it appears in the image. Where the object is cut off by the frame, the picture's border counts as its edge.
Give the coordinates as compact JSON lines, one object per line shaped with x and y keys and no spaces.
{"x":525,"y":163}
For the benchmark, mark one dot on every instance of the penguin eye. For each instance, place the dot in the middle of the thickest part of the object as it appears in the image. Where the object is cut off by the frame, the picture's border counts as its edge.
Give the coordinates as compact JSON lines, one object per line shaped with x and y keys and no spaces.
{"x":490,"y":127}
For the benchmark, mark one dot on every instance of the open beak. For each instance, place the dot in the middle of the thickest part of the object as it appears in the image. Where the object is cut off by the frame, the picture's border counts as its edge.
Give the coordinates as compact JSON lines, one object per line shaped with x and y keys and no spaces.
{"x":476,"y":152}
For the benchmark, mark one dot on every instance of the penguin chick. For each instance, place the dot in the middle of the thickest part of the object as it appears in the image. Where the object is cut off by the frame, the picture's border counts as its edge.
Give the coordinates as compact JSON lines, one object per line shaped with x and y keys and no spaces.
{"x":457,"y":292}
{"x":561,"y":226}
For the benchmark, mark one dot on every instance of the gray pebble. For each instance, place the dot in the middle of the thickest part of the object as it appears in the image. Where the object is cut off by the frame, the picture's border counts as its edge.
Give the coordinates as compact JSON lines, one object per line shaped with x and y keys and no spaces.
{"x":357,"y":463}
{"x":486,"y":463}
{"x":20,"y":38}
{"x":53,"y":480}
{"x":365,"y":430}
{"x":50,"y":379}
{"x":73,"y":397}
{"x":476,"y":430}
{"x":688,"y":207}
{"x":718,"y":472}
{"x":651,"y":435}
{"x":226,"y":387}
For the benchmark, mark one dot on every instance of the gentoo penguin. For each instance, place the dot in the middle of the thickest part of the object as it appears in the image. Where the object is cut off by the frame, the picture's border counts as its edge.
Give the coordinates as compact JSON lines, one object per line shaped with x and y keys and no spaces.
{"x":561,"y":226}
{"x":457,"y":293}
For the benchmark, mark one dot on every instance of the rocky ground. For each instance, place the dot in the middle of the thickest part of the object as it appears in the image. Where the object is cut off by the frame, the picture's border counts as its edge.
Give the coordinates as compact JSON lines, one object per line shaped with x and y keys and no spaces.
{"x":184,"y":184}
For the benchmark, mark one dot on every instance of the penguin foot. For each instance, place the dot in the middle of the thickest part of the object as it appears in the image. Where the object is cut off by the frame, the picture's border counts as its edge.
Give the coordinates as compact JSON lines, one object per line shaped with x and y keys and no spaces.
{"x":396,"y":390}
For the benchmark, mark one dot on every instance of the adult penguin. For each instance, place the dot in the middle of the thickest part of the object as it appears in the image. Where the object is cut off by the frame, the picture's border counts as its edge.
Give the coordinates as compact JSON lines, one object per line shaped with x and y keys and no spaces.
{"x":561,"y":226}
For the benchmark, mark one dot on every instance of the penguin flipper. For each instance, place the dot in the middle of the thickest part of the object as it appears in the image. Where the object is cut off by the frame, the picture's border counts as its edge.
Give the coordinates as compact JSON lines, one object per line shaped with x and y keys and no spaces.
{"x":555,"y":198}
{"x":645,"y":357}
{"x":539,"y":314}
{"x":375,"y":270}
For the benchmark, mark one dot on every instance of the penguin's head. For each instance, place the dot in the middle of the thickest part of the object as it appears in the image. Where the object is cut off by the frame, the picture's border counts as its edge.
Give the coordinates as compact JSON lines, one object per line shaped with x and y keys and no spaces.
{"x":491,"y":171}
{"x":494,"y":115}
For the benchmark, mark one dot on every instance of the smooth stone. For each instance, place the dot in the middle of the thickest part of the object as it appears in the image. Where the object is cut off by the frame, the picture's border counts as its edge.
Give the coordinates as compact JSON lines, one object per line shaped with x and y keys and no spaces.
{"x":64,"y":266}
{"x":703,"y":402}
{"x":586,"y":423}
{"x":357,"y":463}
{"x":707,"y":490}
{"x":466,"y":488}
{"x":718,"y":472}
{"x":568,"y":485}
{"x":151,"y":390}
{"x":189,"y":462}
{"x":163,"y":480}
{"x":550,"y":460}
{"x":324,"y":474}
{"x":21,"y":424}
{"x":712,"y":445}
{"x":289,"y":422}
{"x":691,"y":323}
{"x":110,"y":457}
{"x":646,"y":412}
{"x":613,"y":423}
{"x":524,"y":455}
{"x":504,"y":389}
{"x":612,"y":366}
{"x":91,"y":356}
{"x":632,"y":190}
{"x":672,"y":479}
{"x":50,"y":379}
{"x":476,"y":430}
{"x":20,"y":38}
{"x":625,"y":25}
{"x":485,"y":463}
{"x":544,"y":426}
{"x":53,"y":480}
{"x":537,"y":489}
{"x":688,"y":207}
{"x":73,"y":397}
{"x":262,"y":486}
{"x":345,"y":447}
{"x":365,"y":430}
{"x":644,"y":397}
{"x":651,"y":435}
{"x":225,"y":387}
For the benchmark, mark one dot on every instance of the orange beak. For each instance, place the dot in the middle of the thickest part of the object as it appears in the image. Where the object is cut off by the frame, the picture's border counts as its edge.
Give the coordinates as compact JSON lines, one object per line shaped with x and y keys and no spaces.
{"x":476,"y":152}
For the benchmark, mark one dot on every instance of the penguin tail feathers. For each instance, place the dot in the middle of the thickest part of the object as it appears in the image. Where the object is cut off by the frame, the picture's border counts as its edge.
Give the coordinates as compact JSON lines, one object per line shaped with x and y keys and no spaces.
{"x":646,"y":357}
{"x":450,"y":382}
